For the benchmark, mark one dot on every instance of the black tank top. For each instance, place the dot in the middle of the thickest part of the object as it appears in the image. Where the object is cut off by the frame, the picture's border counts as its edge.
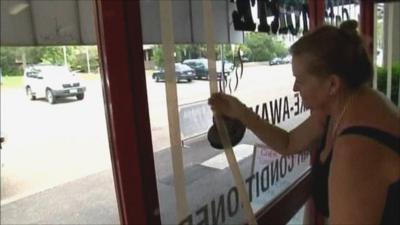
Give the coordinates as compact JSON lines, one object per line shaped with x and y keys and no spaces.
{"x":320,"y":173}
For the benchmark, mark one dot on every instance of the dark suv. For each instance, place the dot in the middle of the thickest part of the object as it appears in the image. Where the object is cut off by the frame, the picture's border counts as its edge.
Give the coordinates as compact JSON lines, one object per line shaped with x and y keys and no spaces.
{"x":201,"y":67}
{"x":182,"y":71}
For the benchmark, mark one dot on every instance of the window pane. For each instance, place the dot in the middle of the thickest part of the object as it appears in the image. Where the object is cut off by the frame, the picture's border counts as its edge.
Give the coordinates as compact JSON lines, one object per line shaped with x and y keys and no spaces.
{"x":298,"y":218}
{"x":55,"y":158}
{"x":387,"y":51}
{"x":264,"y":83}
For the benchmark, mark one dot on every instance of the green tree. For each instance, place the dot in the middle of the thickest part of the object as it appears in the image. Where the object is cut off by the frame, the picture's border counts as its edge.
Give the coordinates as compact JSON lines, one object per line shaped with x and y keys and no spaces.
{"x":382,"y":81}
{"x":12,"y":58}
{"x":264,"y":47}
{"x":8,"y":63}
{"x":195,"y":51}
{"x":182,"y":52}
{"x":192,"y":51}
{"x":53,"y":55}
{"x":158,"y":56}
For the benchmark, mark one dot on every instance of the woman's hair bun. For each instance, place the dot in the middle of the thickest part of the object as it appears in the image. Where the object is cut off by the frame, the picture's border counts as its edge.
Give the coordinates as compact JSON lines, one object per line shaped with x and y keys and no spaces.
{"x":349,"y":26}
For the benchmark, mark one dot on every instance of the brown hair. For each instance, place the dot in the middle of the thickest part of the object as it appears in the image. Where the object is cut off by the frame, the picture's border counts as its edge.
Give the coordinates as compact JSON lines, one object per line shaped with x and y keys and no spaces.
{"x":339,"y":51}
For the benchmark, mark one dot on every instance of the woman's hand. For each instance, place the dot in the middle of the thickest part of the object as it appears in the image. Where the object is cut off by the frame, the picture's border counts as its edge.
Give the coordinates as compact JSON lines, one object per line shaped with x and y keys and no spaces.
{"x":227,"y":105}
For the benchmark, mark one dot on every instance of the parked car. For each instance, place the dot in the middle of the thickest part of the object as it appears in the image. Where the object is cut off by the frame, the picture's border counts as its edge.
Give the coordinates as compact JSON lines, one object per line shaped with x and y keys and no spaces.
{"x":201,"y":67}
{"x":182,"y":71}
{"x":287,"y":59}
{"x":281,"y":60}
{"x":276,"y":61}
{"x":52,"y":82}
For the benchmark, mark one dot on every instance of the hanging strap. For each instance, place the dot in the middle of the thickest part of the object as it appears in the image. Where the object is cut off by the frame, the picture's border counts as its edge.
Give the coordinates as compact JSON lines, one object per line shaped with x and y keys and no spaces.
{"x":167,"y":39}
{"x":223,"y":133}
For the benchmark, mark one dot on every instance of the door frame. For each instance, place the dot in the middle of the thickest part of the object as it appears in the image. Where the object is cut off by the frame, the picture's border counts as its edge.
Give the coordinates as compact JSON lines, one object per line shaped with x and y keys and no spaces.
{"x":124,"y":86}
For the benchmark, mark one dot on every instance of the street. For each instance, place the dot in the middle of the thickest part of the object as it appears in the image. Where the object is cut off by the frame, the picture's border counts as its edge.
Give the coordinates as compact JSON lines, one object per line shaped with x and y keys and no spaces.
{"x":50,"y":145}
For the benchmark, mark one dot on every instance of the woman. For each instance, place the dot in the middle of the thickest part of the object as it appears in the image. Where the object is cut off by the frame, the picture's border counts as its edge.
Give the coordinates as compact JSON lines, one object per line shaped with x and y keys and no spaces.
{"x":356,"y":130}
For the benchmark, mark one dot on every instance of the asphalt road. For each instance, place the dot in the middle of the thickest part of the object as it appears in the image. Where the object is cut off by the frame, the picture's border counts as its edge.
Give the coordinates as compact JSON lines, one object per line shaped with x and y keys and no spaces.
{"x":258,"y":84}
{"x":49,"y":145}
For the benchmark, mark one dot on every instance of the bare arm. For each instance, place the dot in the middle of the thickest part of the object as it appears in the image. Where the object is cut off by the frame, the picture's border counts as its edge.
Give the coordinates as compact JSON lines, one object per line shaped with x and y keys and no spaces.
{"x":299,"y":139}
{"x":357,"y":183}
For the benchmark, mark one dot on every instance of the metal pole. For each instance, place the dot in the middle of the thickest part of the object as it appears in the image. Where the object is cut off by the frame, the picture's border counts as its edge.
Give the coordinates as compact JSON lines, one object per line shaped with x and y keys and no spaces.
{"x":375,"y":78}
{"x":65,"y":55}
{"x":87,"y":59}
{"x":389,"y":51}
{"x":24,"y":59}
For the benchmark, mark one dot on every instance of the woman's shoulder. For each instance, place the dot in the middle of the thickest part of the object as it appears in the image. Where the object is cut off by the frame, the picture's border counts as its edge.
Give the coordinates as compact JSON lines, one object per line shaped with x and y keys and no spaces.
{"x":371,"y":112}
{"x":386,"y":102}
{"x":368,"y":155}
{"x":373,"y":109}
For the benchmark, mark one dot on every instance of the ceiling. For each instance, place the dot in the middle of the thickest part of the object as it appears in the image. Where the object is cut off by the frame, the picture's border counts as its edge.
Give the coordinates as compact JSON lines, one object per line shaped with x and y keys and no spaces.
{"x":61,"y":22}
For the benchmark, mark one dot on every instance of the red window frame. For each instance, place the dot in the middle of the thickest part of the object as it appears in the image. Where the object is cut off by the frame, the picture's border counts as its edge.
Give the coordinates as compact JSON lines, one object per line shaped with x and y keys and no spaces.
{"x":124,"y":86}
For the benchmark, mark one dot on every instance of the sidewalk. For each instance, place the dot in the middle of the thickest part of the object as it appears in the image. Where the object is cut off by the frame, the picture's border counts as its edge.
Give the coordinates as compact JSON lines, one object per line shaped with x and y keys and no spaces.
{"x":91,"y":200}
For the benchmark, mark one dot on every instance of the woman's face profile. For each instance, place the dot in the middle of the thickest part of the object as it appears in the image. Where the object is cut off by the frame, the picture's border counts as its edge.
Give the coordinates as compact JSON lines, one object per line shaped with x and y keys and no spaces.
{"x":313,"y":89}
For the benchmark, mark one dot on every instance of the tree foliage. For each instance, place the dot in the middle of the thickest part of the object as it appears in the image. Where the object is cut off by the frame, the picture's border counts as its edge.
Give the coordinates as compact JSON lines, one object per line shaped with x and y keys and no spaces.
{"x":182,"y":52}
{"x":7,"y":61}
{"x":12,"y":58}
{"x":382,"y":80}
{"x":158,"y":56}
{"x":257,"y":47}
{"x":264,"y":47}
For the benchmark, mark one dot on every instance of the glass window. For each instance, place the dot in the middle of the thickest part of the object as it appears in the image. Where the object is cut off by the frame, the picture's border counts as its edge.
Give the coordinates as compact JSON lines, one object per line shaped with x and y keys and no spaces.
{"x":263,"y":85}
{"x":386,"y":50}
{"x":298,"y":218}
{"x":337,"y":11}
{"x":55,"y":158}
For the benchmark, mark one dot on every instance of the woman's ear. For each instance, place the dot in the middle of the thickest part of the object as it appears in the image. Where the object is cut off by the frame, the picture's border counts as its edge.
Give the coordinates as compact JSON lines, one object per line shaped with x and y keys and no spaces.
{"x":334,"y":84}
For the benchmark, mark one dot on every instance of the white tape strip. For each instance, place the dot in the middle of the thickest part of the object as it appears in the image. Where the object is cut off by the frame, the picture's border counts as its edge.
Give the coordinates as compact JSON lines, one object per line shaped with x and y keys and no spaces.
{"x":167,"y":38}
{"x":243,"y":196}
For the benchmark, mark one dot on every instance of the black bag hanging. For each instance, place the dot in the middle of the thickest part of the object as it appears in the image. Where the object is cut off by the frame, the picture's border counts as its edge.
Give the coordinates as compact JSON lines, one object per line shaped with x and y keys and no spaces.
{"x":235,"y":128}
